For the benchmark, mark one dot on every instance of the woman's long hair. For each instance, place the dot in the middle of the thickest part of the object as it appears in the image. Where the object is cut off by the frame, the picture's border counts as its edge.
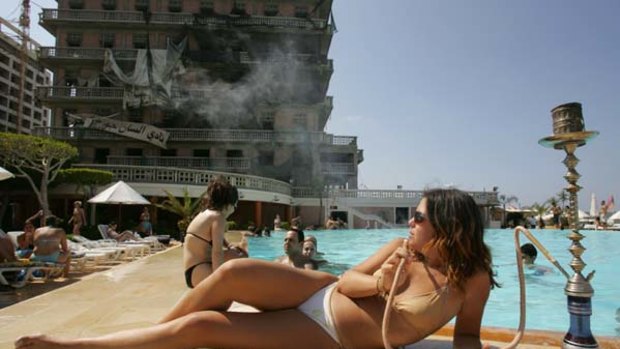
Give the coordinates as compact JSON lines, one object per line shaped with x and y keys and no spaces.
{"x":459,"y":228}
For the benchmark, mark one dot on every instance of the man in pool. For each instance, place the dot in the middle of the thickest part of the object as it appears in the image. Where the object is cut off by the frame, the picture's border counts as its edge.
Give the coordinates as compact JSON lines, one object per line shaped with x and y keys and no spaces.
{"x":529,"y":257}
{"x":293,"y":245}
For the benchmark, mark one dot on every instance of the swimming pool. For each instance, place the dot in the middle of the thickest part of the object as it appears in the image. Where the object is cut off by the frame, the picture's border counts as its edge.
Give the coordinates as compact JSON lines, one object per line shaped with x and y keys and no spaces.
{"x":546,"y":302}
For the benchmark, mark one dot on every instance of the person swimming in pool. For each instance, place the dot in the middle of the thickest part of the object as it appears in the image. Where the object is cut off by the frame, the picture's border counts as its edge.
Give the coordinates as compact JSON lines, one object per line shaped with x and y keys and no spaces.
{"x":447,"y":273}
{"x":203,"y":250}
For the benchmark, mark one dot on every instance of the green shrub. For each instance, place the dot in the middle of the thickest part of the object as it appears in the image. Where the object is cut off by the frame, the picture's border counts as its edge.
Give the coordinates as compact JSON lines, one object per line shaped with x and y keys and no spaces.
{"x":285,"y":225}
{"x":231,"y":225}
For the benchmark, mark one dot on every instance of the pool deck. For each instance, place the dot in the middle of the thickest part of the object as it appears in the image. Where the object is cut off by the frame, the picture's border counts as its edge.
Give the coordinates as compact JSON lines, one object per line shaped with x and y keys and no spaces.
{"x":137,"y":294}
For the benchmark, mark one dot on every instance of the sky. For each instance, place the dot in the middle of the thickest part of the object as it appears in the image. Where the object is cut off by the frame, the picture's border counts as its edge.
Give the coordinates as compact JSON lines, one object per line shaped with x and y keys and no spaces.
{"x":458,"y":93}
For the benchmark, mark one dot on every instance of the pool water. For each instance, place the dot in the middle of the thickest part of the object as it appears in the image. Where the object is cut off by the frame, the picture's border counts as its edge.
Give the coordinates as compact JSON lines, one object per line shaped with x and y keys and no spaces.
{"x":546,"y":302}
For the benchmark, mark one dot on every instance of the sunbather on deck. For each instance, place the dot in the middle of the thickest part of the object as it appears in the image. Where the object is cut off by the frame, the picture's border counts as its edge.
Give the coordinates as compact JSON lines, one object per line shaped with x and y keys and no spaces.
{"x":50,"y":245}
{"x":120,"y":237}
{"x":446,"y":272}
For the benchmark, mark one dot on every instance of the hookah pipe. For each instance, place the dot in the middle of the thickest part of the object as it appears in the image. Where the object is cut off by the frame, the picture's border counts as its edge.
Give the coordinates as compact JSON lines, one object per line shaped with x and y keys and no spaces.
{"x":519,"y":256}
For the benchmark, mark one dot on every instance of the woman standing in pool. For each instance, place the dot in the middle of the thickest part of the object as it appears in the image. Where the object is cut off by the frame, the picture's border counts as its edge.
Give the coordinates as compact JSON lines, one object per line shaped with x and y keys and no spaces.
{"x":203,"y":250}
{"x":447,"y":273}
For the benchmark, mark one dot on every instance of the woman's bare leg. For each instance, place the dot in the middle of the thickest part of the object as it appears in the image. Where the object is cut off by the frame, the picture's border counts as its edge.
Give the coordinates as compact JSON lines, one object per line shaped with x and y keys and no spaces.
{"x":270,"y":330}
{"x":261,"y":284}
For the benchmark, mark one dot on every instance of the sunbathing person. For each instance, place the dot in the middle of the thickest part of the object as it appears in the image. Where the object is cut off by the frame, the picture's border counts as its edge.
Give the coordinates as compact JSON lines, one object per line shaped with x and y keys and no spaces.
{"x":50,"y":244}
{"x":25,"y":244}
{"x":203,"y":250}
{"x":7,"y":249}
{"x":120,"y":237}
{"x":447,"y":273}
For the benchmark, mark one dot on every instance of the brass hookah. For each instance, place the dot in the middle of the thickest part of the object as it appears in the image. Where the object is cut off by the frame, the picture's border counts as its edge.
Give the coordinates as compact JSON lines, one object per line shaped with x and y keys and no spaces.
{"x":568,"y":134}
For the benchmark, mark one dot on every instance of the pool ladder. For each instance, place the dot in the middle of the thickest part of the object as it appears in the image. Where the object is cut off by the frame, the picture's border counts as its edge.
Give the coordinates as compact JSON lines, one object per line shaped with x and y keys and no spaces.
{"x":519,"y":256}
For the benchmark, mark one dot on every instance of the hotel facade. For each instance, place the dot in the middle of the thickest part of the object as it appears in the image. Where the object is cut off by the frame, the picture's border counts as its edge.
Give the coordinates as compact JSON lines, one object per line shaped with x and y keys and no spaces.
{"x":169,"y":93}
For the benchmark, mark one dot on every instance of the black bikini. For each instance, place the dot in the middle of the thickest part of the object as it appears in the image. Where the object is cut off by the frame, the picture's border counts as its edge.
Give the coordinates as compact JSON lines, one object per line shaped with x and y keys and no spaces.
{"x":188,"y":271}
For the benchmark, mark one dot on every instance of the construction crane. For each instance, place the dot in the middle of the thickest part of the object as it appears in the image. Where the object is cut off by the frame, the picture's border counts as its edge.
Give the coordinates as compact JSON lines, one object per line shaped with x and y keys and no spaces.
{"x":24,"y":24}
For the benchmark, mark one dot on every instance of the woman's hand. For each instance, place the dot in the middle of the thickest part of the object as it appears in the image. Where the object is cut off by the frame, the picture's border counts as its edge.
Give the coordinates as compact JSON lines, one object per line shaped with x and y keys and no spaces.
{"x":389,"y":267}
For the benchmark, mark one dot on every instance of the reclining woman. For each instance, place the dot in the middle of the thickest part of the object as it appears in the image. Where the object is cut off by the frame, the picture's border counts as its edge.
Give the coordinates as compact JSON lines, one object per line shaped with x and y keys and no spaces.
{"x":447,"y":273}
{"x":126,"y":235}
{"x":203,"y":250}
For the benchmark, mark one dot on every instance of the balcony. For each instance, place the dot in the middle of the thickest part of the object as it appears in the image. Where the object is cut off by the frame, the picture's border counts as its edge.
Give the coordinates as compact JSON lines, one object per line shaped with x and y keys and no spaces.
{"x":147,"y":174}
{"x":198,"y":135}
{"x":336,"y":168}
{"x":79,"y":94}
{"x":51,"y":18}
{"x":84,"y":53}
{"x":217,"y":164}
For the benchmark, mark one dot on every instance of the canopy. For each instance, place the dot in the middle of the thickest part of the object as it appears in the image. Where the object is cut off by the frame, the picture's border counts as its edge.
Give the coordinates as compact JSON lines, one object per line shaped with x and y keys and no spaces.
{"x":4,"y":174}
{"x":119,"y":193}
{"x":614,"y":217}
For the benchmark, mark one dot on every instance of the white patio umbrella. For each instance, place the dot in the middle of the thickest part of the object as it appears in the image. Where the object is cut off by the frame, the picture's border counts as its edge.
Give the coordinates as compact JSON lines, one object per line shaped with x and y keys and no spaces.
{"x":4,"y":174}
{"x":121,"y":194}
{"x":593,"y":206}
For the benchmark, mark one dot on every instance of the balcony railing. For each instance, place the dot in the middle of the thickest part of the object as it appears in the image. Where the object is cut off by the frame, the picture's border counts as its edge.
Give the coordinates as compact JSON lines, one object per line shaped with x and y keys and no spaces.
{"x":139,"y":174}
{"x":414,"y":196}
{"x":94,"y":53}
{"x":165,"y":18}
{"x":68,"y":92}
{"x":212,"y":135}
{"x":338,"y":168}
{"x":218,"y":164}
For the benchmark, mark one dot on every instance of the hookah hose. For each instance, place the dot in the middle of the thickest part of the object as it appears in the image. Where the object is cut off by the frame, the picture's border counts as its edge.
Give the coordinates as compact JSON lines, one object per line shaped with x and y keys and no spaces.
{"x":521,"y":329}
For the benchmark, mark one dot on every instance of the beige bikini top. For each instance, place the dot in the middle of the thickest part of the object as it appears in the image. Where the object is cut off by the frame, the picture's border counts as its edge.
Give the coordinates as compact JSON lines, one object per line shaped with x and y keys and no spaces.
{"x":429,"y":311}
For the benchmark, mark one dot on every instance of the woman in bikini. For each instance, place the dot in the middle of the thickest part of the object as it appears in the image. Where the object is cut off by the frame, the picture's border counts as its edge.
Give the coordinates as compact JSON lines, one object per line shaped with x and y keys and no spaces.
{"x":78,"y":218}
{"x":203,"y":250}
{"x":447,"y":273}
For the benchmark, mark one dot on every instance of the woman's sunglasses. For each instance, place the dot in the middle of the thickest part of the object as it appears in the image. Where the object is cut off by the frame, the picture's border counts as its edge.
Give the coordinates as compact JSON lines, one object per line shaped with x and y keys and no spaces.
{"x":418,"y":217}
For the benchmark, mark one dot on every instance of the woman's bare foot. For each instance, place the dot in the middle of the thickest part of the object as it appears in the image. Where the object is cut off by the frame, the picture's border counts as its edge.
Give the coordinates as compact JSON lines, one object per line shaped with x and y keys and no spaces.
{"x":43,"y":341}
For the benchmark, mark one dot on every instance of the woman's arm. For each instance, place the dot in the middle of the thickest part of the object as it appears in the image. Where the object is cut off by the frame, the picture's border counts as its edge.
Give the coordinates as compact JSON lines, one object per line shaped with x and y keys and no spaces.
{"x":36,"y":215}
{"x":469,"y":318}
{"x":217,"y":241}
{"x":359,"y":282}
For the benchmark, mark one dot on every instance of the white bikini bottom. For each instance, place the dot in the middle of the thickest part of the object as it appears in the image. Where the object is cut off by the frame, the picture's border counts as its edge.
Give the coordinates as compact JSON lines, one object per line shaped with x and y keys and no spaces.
{"x":318,"y":308}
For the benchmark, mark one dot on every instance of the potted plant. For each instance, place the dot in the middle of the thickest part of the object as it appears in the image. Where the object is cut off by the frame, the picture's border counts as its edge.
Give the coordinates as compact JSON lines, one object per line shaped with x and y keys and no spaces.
{"x":186,"y":208}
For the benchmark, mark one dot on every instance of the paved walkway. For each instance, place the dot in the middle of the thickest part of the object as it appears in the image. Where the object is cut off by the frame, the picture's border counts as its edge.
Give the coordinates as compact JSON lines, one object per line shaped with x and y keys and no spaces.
{"x":131,"y":295}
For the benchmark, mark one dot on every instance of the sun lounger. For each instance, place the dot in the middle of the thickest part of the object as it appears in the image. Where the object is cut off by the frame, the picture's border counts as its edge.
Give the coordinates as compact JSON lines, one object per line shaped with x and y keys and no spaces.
{"x":151,"y":242}
{"x":17,"y":274}
{"x":99,"y":255}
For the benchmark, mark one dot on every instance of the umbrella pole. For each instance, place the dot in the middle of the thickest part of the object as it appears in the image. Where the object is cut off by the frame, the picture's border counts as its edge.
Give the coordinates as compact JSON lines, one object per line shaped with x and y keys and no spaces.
{"x":119,"y":216}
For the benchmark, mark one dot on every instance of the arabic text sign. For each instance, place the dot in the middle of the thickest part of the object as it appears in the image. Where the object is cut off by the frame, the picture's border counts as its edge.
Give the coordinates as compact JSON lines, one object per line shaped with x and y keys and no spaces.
{"x":142,"y":132}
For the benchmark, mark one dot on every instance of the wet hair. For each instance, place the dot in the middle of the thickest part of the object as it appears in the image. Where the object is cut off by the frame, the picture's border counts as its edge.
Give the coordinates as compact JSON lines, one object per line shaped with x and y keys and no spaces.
{"x":459,"y":229}
{"x":529,"y":250}
{"x":300,"y":234}
{"x":312,"y":239}
{"x":220,"y":193}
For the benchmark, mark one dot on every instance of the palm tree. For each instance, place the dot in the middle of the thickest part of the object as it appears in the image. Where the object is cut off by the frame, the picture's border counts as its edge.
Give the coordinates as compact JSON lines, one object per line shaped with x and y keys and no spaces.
{"x":185,"y":208}
{"x":540,"y":209}
{"x":562,"y":197}
{"x":504,"y":200}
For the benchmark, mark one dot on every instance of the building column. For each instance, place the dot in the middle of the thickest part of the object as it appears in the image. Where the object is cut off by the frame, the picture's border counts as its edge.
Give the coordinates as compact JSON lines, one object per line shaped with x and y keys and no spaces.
{"x":290,"y":213}
{"x":258,"y":213}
